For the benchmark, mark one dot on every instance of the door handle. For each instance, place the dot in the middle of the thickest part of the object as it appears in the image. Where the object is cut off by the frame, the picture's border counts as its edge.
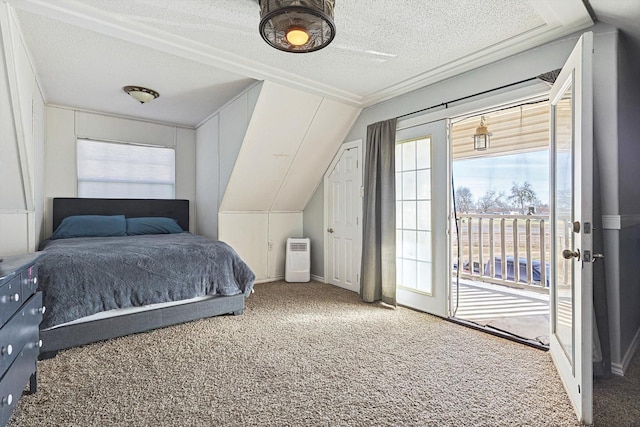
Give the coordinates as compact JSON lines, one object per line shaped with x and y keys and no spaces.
{"x":596,"y":257}
{"x":568,"y":254}
{"x":330,"y":230}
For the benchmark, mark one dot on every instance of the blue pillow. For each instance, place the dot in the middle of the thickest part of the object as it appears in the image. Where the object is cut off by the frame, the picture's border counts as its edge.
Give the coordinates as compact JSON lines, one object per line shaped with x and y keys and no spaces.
{"x":152,"y":225}
{"x":91,"y":226}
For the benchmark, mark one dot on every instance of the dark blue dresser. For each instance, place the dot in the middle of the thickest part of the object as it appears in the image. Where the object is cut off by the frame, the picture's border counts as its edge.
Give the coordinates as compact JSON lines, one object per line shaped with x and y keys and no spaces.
{"x":20,"y":316}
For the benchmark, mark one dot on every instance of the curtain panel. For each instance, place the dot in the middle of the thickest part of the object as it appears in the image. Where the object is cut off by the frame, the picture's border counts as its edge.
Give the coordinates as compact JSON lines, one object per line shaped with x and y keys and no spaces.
{"x":378,"y":272}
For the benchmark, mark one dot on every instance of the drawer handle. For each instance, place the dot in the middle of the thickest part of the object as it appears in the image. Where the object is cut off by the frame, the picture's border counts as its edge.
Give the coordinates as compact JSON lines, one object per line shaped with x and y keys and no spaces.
{"x":12,"y":298}
{"x":37,"y":344}
{"x":40,"y":310}
{"x":7,"y":350}
{"x":7,"y":400}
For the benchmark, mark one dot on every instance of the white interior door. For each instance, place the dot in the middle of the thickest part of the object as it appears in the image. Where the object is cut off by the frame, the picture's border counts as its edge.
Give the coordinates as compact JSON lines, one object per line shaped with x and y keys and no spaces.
{"x":572,"y":218}
{"x":422,"y":185}
{"x":343,"y":226}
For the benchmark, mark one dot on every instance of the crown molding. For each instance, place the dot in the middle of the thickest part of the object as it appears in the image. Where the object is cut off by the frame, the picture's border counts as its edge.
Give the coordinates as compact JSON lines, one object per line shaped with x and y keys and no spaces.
{"x":92,"y":19}
{"x":562,"y":17}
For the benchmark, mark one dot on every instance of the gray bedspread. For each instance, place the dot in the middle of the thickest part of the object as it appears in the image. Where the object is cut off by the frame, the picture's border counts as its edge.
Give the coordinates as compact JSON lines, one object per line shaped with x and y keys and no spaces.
{"x":84,"y":276}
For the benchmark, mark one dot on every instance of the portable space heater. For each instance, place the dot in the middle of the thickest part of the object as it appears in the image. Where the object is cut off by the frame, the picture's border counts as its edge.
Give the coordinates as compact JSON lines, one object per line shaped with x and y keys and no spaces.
{"x":298,"y":261}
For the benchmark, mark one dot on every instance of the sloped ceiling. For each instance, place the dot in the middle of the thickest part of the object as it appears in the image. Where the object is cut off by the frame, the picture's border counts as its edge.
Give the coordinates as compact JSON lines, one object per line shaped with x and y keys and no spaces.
{"x":290,"y":141}
{"x":194,"y":51}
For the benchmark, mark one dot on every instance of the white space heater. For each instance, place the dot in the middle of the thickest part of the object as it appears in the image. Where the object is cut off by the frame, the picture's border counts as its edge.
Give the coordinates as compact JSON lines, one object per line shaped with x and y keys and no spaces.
{"x":298,"y":263}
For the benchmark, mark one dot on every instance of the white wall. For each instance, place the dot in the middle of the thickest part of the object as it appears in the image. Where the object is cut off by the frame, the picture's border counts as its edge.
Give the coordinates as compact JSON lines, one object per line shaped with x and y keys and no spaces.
{"x":218,"y":142}
{"x":626,"y":299}
{"x":65,"y":126}
{"x":21,"y":143}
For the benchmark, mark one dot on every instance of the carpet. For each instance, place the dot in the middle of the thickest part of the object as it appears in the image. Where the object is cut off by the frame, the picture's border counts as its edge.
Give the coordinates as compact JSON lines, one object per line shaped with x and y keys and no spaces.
{"x":301,"y":355}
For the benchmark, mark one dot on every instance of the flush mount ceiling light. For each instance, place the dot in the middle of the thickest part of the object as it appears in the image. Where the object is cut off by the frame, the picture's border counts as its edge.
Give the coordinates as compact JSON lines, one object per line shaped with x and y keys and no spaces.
{"x":297,"y":26}
{"x":481,"y":137}
{"x":141,"y":94}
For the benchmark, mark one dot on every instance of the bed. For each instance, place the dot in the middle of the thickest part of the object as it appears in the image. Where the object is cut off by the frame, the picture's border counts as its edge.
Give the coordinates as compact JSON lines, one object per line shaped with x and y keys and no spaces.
{"x":97,"y":288}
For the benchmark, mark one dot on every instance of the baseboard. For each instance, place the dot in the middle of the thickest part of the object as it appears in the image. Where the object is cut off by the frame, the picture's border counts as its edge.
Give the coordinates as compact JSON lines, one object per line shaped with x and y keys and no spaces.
{"x":318,"y":278}
{"x":620,"y":369}
{"x":270,"y":279}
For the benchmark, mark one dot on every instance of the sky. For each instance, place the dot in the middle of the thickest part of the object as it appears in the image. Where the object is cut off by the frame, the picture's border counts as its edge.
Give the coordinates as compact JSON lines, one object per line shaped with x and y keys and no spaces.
{"x":499,"y":173}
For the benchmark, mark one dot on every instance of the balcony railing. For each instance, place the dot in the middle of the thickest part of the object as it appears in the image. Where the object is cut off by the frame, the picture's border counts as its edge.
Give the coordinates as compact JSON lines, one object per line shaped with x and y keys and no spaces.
{"x":511,"y":250}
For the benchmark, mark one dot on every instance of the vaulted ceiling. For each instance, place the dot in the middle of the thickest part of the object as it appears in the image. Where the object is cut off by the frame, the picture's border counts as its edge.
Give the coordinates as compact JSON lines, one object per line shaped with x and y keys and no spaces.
{"x":200,"y":53}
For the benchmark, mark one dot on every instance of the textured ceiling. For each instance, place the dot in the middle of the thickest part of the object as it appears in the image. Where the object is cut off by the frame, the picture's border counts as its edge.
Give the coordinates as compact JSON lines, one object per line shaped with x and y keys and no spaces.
{"x":199,"y":53}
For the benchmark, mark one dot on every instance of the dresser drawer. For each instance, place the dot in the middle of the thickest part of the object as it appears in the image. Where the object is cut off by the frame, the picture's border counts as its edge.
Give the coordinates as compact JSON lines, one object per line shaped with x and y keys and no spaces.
{"x":20,"y":330}
{"x":10,"y":299}
{"x":29,"y":282}
{"x":13,"y":382}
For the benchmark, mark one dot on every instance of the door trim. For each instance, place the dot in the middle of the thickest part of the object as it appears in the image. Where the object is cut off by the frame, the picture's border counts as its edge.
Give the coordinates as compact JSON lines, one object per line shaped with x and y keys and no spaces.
{"x":325,"y":182}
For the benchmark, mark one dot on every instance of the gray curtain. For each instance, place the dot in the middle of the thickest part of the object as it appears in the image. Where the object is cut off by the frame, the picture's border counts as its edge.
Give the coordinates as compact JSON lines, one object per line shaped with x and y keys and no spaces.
{"x":378,"y":273}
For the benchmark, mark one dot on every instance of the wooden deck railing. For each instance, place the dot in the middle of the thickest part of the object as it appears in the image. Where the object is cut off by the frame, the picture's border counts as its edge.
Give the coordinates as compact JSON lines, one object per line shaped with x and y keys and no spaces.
{"x":486,"y":241}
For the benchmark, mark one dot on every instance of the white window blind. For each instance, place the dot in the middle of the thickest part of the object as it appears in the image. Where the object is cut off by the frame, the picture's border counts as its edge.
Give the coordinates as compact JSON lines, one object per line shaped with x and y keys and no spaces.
{"x":112,"y":170}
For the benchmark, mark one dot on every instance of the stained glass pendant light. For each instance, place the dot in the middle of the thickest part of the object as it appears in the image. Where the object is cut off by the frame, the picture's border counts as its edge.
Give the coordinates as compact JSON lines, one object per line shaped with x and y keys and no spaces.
{"x":297,"y":26}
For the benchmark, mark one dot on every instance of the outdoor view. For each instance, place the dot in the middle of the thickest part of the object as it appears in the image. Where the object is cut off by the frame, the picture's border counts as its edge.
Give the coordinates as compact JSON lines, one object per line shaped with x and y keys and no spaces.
{"x":501,"y":198}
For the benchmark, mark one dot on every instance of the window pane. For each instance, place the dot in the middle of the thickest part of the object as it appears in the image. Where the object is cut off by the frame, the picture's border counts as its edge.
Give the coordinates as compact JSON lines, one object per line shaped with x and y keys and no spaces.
{"x":424,"y":184}
{"x":424,"y":216}
{"x":398,"y":157}
{"x":409,"y":243}
{"x":424,"y":153}
{"x":408,"y":155}
{"x":398,"y":185}
{"x":424,"y":246}
{"x":409,"y":274}
{"x":424,"y":282}
{"x":409,"y":185}
{"x":409,"y":215}
{"x":114,"y":170}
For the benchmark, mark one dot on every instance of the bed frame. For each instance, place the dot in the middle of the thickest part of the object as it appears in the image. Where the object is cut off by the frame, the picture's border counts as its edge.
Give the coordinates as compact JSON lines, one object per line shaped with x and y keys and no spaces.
{"x":78,"y":334}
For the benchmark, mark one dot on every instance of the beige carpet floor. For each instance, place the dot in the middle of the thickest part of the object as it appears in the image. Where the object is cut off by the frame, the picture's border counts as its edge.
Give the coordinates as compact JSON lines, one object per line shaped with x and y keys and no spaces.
{"x":301,"y":355}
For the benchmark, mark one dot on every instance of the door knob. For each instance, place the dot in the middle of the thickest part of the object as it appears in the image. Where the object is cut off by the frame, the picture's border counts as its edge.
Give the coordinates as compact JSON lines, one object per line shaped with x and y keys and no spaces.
{"x":568,"y":254}
{"x":330,"y":230}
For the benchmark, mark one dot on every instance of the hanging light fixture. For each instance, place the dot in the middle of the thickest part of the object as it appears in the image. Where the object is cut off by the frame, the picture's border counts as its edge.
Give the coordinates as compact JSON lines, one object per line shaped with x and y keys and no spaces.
{"x":141,"y":94}
{"x":297,"y":26}
{"x":481,"y":137}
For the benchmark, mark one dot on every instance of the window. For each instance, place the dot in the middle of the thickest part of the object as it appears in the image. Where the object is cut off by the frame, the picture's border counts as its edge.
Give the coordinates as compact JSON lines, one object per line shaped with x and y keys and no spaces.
{"x":413,"y":215}
{"x":113,"y":170}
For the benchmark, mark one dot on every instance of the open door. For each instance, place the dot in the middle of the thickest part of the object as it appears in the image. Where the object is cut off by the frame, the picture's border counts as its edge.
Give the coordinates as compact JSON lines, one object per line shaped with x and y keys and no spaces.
{"x":421,"y":217}
{"x":571,"y":197}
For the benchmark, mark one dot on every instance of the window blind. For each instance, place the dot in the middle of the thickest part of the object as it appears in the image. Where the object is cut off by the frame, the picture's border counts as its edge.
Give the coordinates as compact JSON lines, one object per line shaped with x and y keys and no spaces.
{"x":112,"y":170}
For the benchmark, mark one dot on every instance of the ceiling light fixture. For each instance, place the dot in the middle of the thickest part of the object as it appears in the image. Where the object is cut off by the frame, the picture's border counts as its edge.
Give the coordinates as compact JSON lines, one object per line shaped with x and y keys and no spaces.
{"x":297,"y":26}
{"x":141,"y":94}
{"x":481,"y":137}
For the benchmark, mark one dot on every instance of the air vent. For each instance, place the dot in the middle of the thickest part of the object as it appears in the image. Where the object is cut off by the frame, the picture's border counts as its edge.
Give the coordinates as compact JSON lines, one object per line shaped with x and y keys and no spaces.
{"x":298,"y":247}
